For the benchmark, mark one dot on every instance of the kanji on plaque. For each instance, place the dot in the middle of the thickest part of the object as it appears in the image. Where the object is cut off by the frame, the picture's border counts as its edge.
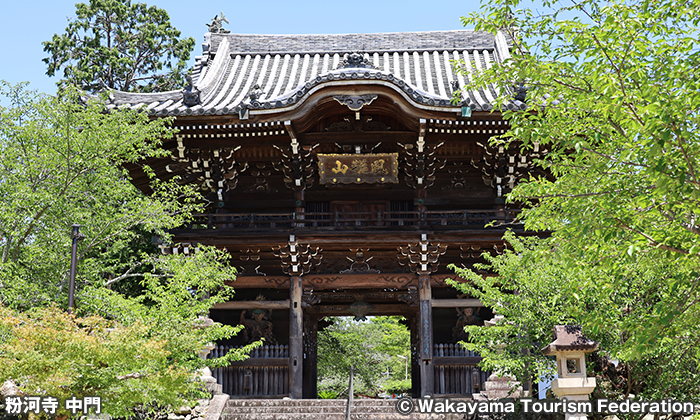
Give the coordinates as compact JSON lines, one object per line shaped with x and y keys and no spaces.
{"x":370,"y":168}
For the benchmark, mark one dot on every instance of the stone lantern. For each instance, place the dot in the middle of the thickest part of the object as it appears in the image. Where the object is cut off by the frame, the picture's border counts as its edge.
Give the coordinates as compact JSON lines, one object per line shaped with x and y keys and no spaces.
{"x":570,"y":347}
{"x":205,"y":374}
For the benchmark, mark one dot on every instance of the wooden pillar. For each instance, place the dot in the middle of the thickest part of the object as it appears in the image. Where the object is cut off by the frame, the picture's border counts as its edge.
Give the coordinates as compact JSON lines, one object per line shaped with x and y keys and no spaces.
{"x":296,"y":338}
{"x":415,"y":355}
{"x":425,"y":328}
{"x":310,"y":356}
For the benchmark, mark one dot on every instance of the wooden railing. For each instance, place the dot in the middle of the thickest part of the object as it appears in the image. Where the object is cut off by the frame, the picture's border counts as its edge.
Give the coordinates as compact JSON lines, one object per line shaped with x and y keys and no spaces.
{"x":474,"y":218}
{"x":265,"y":373}
{"x":456,"y":370}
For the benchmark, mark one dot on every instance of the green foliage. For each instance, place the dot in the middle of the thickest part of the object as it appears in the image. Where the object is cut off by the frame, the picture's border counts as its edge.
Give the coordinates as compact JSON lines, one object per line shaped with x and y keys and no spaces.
{"x":612,"y":90}
{"x":327,"y":394}
{"x":175,"y":297}
{"x":48,"y":352}
{"x":397,"y":386}
{"x":556,"y":286}
{"x":62,"y":162}
{"x":372,"y":347}
{"x":125,"y":46}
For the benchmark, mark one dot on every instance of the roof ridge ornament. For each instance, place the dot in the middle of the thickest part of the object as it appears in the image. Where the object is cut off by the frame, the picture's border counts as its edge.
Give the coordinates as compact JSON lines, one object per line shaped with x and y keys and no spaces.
{"x":216,"y":24}
{"x":356,"y":59}
{"x":190,"y":95}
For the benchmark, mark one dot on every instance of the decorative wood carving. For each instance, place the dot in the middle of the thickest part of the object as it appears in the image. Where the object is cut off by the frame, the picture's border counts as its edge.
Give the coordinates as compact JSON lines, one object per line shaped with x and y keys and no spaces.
{"x":246,"y":256}
{"x":355,"y":103}
{"x":276,"y":282}
{"x":297,"y":259}
{"x":321,"y":281}
{"x":475,"y":251}
{"x":359,"y":264}
{"x":308,"y":298}
{"x":355,"y":124}
{"x":411,"y":298}
{"x":422,"y":257}
{"x":360,"y":309}
{"x":458,"y":181}
{"x":420,"y":164}
{"x":502,"y":170}
{"x":261,"y":173}
{"x":371,"y":125}
{"x":358,"y":168}
{"x":296,"y":164}
{"x":215,"y":170}
{"x":357,"y":148}
{"x":398,"y":281}
{"x":341,"y":126}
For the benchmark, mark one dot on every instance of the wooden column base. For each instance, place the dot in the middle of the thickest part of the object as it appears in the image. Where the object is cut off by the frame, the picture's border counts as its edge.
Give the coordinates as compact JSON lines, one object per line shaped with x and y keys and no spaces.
{"x":296,"y":342}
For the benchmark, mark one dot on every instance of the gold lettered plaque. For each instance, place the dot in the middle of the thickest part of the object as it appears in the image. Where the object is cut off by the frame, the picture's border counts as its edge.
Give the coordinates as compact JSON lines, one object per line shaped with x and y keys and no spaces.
{"x":371,"y":168}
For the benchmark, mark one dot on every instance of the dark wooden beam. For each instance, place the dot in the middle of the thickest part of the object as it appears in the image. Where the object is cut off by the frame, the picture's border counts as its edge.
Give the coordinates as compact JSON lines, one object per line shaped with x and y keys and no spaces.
{"x":340,"y":281}
{"x":379,"y":309}
{"x":457,"y":303}
{"x":253,"y":304}
{"x":359,"y":138}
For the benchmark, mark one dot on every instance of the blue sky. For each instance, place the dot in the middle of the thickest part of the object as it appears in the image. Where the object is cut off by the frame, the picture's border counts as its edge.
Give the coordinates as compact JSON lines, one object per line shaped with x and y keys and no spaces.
{"x":25,"y":24}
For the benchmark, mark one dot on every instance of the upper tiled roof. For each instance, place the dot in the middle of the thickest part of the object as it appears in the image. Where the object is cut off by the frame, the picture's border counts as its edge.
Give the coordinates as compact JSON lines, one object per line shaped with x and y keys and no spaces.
{"x":343,"y":43}
{"x":287,"y":68}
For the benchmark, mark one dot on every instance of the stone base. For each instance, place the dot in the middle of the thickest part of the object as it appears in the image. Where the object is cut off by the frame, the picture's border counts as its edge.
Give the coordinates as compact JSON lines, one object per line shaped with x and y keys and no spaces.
{"x":573,"y":388}
{"x":497,"y":387}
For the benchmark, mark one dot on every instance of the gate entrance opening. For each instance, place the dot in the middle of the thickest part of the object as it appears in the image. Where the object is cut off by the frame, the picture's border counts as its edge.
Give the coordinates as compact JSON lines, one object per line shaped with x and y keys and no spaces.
{"x":379,"y":349}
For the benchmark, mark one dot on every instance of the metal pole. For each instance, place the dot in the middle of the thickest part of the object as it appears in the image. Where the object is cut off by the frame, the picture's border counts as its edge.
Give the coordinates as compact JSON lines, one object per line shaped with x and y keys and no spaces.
{"x":75,"y":236}
{"x":406,"y":368}
{"x":350,"y":394}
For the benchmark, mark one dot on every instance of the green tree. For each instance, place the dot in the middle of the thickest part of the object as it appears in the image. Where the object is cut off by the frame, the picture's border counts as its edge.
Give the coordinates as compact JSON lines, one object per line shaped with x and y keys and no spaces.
{"x":119,"y":45}
{"x":374,"y":347}
{"x":61,"y":163}
{"x":612,"y":93}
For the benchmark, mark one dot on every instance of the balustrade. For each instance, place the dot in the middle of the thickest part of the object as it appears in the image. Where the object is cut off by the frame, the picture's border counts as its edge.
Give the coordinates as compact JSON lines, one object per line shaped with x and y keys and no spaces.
{"x":361,"y":219}
{"x":456,"y":371}
{"x":264,"y":373}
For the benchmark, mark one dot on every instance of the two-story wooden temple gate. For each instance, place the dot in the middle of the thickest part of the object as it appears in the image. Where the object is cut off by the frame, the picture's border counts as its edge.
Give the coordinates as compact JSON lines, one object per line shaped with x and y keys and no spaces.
{"x":343,"y":173}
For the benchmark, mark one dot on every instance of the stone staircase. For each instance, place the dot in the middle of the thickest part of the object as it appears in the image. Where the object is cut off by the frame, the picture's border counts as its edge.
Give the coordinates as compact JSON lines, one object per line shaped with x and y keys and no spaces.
{"x":362,"y":409}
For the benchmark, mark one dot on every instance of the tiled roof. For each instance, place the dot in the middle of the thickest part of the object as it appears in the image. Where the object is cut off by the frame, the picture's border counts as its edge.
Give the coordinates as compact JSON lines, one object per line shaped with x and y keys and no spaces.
{"x":287,"y":68}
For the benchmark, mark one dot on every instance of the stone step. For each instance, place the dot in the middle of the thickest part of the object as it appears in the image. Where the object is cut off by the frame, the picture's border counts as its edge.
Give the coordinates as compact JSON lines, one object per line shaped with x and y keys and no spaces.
{"x":294,"y":403}
{"x":363,"y":409}
{"x":339,"y":416}
{"x":316,"y":409}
